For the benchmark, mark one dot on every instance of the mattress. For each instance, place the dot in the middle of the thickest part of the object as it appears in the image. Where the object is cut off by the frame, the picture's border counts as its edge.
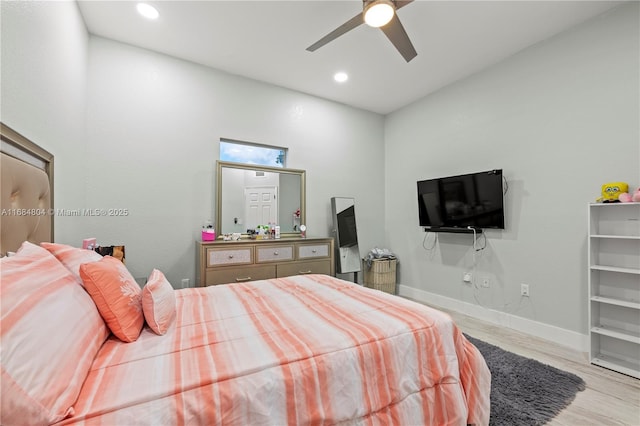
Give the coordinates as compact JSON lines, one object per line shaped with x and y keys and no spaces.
{"x":310,"y":349}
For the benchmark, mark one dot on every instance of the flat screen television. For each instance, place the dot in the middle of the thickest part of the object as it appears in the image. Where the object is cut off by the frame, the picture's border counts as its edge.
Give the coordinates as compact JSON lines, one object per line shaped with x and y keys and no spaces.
{"x":458,"y":203}
{"x":347,"y":232}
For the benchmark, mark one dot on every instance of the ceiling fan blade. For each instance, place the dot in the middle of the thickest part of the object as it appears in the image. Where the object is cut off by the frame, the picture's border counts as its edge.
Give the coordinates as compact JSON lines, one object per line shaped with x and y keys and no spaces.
{"x":347,"y":26}
{"x":398,"y":36}
{"x":402,"y":3}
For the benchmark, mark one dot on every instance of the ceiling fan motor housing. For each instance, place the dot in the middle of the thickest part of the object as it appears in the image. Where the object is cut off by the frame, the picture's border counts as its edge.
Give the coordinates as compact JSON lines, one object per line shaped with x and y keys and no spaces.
{"x":366,"y":3}
{"x":378,"y":13}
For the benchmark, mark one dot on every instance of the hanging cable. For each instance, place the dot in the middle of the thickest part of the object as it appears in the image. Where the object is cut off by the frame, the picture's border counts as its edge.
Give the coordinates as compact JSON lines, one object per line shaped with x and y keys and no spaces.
{"x":474,"y":244}
{"x":435,"y":240}
{"x":484,"y":237}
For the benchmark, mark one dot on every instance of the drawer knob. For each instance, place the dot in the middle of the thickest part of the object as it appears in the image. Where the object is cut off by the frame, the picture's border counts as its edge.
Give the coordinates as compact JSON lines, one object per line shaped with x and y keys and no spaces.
{"x":230,"y":256}
{"x":275,"y":253}
{"x":314,"y":251}
{"x":241,"y":280}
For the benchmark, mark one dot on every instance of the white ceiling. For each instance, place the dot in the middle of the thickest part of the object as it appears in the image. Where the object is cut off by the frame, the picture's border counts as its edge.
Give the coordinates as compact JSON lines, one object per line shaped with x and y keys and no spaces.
{"x":266,"y":40}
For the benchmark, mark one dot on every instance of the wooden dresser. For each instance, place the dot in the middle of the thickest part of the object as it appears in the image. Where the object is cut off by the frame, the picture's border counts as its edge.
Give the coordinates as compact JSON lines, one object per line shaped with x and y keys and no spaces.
{"x":223,"y":262}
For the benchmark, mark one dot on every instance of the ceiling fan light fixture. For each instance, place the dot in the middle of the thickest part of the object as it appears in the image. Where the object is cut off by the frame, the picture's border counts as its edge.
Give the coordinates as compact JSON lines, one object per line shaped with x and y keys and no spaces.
{"x":378,"y":13}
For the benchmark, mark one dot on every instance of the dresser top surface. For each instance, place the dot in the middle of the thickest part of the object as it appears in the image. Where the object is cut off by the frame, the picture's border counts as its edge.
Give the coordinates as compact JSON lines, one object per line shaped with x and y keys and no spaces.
{"x":266,"y":241}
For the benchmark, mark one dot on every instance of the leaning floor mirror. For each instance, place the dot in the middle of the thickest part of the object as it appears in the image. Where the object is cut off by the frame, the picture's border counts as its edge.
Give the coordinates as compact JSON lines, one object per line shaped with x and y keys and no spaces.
{"x":346,"y":235}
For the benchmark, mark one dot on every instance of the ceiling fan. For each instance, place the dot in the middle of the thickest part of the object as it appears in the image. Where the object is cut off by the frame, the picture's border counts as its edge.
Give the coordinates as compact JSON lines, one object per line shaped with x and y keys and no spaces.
{"x":380,"y":14}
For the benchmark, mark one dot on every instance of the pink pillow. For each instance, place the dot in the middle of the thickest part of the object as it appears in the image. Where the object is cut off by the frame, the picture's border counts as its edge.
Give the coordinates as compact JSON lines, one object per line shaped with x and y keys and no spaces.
{"x":117,"y":296}
{"x":158,"y":303}
{"x":51,"y":333}
{"x":72,"y":257}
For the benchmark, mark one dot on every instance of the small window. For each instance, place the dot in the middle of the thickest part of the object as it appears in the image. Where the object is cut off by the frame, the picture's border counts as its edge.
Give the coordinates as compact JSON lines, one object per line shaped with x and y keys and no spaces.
{"x":248,"y":153}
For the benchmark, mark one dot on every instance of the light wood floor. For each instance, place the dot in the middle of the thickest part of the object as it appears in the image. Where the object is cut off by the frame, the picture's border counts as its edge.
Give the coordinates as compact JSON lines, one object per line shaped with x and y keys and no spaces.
{"x":610,"y":398}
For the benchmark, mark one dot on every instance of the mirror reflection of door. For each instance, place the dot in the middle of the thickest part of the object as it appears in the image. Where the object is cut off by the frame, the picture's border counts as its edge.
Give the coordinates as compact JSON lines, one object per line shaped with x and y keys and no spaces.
{"x":261,"y":206}
{"x":346,"y":232}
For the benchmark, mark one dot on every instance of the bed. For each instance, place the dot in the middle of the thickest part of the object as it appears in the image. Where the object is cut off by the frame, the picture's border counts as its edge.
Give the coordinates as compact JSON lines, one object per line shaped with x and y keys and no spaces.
{"x":82,"y":344}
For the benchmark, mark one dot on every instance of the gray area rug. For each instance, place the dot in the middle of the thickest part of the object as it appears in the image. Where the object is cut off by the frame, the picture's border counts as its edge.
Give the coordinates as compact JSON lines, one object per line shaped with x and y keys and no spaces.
{"x":525,"y":391}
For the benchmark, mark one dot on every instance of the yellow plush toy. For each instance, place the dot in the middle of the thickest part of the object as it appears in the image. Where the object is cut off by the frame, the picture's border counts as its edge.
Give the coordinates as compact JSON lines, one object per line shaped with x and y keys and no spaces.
{"x":611,"y":191}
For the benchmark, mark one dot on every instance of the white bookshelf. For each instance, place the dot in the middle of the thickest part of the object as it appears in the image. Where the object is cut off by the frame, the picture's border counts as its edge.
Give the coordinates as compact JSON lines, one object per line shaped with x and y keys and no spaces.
{"x":614,"y":286}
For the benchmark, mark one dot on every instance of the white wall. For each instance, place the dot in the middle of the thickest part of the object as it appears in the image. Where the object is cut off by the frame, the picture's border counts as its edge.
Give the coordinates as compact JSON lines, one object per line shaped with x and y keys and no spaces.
{"x":43,"y":86}
{"x":561,"y":118}
{"x":154,"y":124}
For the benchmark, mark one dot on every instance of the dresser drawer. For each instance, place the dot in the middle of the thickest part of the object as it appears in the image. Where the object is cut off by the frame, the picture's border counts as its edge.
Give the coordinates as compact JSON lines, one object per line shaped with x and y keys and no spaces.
{"x":229,"y":256}
{"x":303,"y":268}
{"x":310,"y":251}
{"x":274,"y":253}
{"x":239,"y":275}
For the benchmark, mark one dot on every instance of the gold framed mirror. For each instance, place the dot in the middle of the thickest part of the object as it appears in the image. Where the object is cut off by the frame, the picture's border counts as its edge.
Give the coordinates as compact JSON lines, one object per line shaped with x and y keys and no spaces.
{"x":248,"y":195}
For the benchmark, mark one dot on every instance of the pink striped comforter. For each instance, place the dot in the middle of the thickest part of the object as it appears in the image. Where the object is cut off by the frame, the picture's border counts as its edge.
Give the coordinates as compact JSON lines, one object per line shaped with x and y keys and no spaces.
{"x":299,"y":350}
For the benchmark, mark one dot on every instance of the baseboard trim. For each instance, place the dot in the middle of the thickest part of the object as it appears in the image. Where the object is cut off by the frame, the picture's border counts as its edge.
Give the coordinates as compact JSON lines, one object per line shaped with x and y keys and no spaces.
{"x":561,"y":336}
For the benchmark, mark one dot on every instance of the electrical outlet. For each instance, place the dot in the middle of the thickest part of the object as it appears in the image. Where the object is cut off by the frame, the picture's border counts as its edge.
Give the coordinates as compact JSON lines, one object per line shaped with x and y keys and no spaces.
{"x":467,"y":277}
{"x":185,"y":283}
{"x":486,"y":282}
{"x":524,"y":290}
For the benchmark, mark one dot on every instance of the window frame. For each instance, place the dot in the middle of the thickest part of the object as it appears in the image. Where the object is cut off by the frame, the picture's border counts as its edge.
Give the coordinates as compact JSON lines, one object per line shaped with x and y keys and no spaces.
{"x":238,"y":143}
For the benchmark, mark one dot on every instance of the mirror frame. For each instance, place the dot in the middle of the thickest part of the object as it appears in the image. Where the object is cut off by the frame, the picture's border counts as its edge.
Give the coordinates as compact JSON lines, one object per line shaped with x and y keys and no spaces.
{"x":220,"y":165}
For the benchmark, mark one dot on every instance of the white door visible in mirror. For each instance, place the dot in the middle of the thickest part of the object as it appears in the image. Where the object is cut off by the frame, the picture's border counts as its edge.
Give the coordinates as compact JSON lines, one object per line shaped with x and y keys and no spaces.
{"x":261,"y":206}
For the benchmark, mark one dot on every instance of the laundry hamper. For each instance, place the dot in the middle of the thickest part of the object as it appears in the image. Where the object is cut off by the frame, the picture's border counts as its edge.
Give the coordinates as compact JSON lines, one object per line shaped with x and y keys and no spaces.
{"x":381,"y":275}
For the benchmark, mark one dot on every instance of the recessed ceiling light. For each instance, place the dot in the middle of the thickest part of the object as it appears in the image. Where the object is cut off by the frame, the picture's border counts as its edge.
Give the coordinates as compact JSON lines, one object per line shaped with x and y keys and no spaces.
{"x":340,"y":77}
{"x":147,"y":11}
